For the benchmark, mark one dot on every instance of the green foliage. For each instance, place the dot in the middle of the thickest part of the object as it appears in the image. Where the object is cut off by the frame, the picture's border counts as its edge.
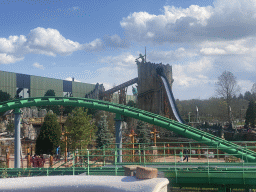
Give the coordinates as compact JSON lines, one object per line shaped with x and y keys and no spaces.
{"x":49,"y":137}
{"x":251,"y":114}
{"x":80,"y":127}
{"x":103,"y":134}
{"x":4,"y":96}
{"x":240,"y":96}
{"x":50,"y":92}
{"x":10,"y":127}
{"x":4,"y":173}
{"x":68,"y":109}
{"x":212,"y":109}
{"x":248,"y":96}
{"x":143,"y":133}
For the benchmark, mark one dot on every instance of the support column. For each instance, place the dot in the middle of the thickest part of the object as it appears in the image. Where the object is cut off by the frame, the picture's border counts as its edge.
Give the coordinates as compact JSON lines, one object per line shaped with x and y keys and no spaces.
{"x":118,"y":126}
{"x":17,"y":138}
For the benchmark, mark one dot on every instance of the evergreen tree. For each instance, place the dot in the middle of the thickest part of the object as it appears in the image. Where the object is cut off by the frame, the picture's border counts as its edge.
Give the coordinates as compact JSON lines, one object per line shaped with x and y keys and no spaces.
{"x":248,"y":96}
{"x":4,"y":96}
{"x":80,"y":127}
{"x":250,"y":114}
{"x":49,"y":92}
{"x":143,"y":132}
{"x":49,"y":137}
{"x":240,"y":96}
{"x":103,"y":134}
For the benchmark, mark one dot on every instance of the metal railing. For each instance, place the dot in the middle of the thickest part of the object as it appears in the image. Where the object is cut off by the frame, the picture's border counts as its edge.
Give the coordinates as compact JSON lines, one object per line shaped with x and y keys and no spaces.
{"x":96,"y":161}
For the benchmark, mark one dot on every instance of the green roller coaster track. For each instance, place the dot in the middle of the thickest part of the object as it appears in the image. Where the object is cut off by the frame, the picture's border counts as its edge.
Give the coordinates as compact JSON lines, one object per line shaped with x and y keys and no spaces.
{"x":182,"y":129}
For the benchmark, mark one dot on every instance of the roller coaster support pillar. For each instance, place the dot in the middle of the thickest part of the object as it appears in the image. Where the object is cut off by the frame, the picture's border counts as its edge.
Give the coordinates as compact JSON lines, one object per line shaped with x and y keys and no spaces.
{"x":118,"y":126}
{"x":17,"y":138}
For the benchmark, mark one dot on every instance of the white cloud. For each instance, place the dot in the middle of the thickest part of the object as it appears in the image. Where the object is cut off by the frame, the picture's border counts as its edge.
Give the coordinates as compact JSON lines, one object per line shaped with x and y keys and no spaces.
{"x":172,"y":55}
{"x":39,"y":41}
{"x":213,"y":51}
{"x":119,"y":69}
{"x":95,"y":45}
{"x":227,"y":20}
{"x":6,"y":59}
{"x":192,"y":74}
{"x":248,"y":64}
{"x":107,"y":86}
{"x":37,"y":65}
{"x":50,"y":42}
{"x":199,"y":66}
{"x":114,"y":41}
{"x":124,"y":60}
{"x":245,"y":85}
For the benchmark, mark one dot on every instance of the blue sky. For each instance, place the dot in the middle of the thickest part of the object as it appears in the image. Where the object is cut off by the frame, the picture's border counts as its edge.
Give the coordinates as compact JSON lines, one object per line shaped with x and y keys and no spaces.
{"x":98,"y":41}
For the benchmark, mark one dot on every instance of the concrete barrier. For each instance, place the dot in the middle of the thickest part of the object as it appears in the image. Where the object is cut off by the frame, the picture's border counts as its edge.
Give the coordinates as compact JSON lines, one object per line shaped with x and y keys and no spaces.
{"x":83,"y":183}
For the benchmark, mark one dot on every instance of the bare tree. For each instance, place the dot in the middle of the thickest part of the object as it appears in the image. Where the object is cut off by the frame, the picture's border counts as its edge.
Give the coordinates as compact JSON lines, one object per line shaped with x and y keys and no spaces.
{"x":227,"y":87}
{"x":253,"y":91}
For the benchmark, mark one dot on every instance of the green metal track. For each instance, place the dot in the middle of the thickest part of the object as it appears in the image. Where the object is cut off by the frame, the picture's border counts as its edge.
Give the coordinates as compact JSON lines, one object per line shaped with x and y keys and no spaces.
{"x":148,"y":117}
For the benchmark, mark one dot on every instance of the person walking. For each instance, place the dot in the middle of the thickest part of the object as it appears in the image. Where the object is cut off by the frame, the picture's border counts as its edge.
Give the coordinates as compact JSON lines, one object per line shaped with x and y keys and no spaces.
{"x":186,"y":152}
{"x":58,"y":153}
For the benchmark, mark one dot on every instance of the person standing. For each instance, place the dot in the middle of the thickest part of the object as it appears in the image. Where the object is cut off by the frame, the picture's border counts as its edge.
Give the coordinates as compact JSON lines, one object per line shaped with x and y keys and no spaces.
{"x":186,"y":152}
{"x":58,"y":153}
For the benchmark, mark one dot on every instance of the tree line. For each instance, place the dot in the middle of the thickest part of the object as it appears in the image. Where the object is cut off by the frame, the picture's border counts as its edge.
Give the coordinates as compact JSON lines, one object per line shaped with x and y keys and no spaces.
{"x":227,"y":107}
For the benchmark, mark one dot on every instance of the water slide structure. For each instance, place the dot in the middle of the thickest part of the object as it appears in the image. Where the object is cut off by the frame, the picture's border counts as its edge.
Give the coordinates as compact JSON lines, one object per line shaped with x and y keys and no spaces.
{"x":168,"y":90}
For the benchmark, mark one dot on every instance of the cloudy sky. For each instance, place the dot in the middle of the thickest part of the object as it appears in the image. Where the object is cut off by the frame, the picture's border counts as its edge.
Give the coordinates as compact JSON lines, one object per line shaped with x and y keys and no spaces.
{"x":98,"y":41}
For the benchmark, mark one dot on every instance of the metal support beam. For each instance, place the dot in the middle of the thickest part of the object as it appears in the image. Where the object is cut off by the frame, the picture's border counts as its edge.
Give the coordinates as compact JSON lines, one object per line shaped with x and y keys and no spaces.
{"x":118,"y":126}
{"x":17,"y":138}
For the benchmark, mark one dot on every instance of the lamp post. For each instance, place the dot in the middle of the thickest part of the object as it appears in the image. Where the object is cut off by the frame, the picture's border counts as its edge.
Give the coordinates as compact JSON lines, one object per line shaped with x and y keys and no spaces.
{"x":61,"y":114}
{"x":197,"y":114}
{"x":154,"y":132}
{"x":66,"y":148}
{"x":132,"y":135}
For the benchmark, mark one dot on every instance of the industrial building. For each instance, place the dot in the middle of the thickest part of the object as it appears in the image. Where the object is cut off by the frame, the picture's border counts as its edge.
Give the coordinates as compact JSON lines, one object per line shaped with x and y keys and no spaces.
{"x":27,"y":86}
